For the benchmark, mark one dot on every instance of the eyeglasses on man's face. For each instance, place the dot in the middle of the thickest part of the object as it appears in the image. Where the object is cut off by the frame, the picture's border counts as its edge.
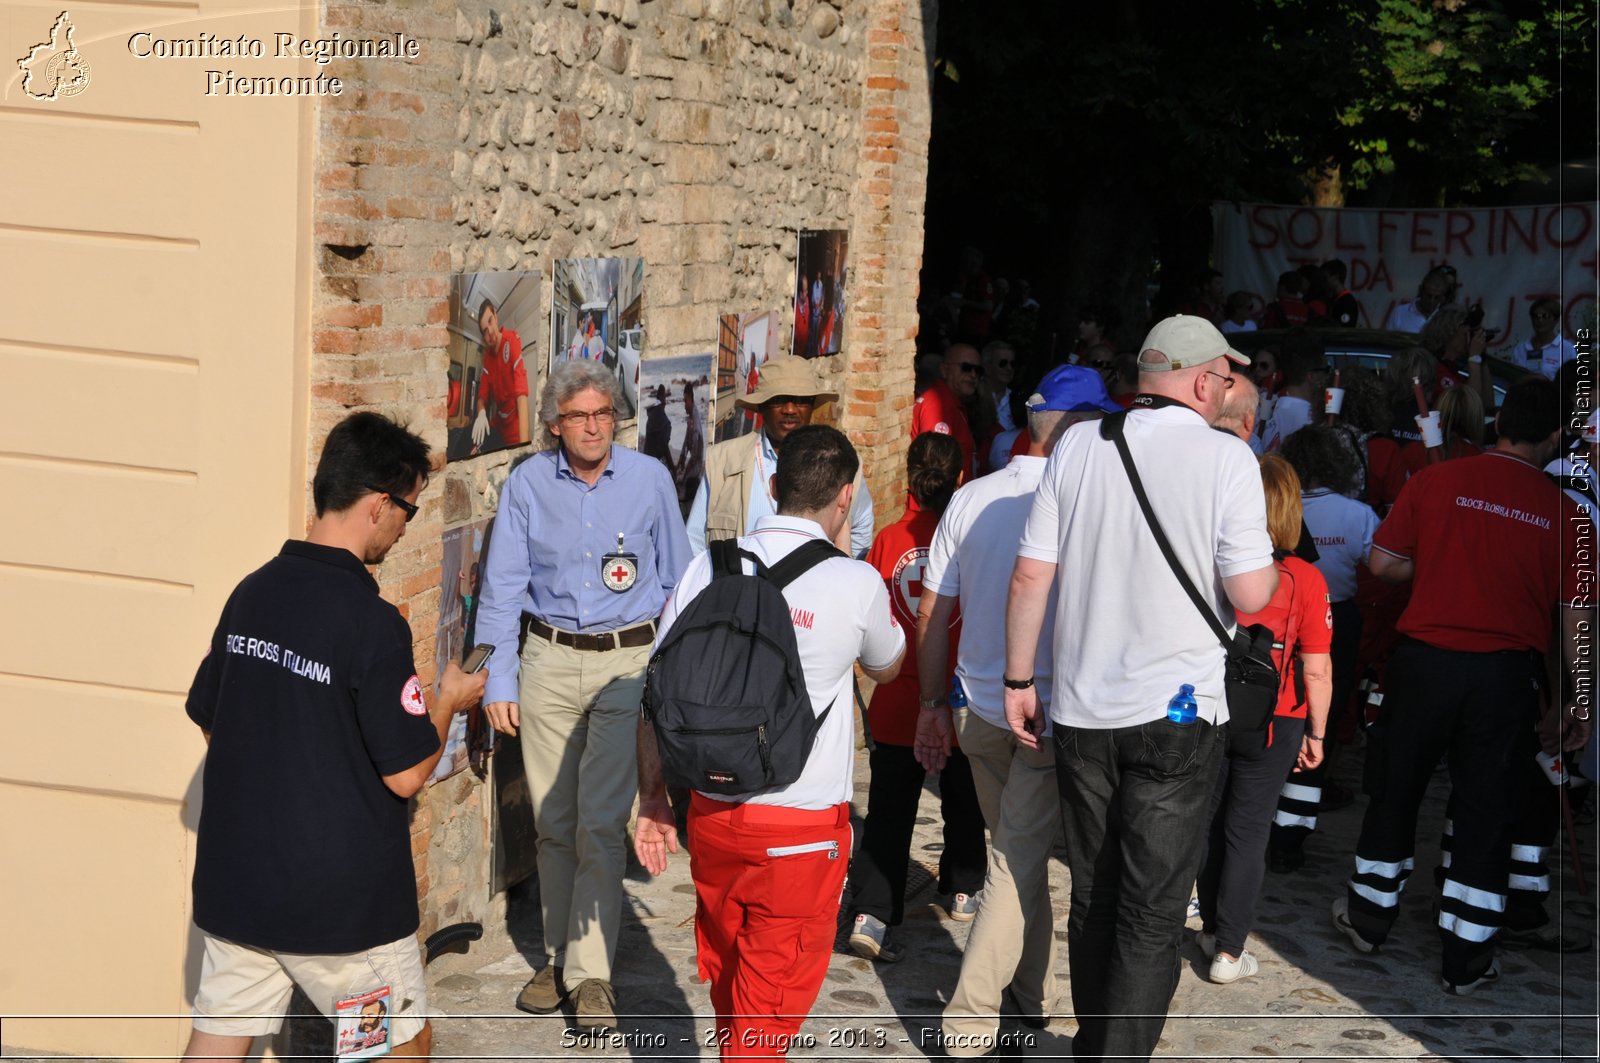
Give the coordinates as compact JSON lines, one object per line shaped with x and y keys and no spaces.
{"x":1226,"y":378}
{"x":408,"y":508}
{"x":1004,"y":363}
{"x":970,"y":367}
{"x":579,"y":418}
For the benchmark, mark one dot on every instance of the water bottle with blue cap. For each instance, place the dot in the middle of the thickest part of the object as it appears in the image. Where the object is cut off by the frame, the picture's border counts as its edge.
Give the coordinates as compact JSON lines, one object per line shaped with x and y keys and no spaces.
{"x":958,"y":696}
{"x":1182,"y":708}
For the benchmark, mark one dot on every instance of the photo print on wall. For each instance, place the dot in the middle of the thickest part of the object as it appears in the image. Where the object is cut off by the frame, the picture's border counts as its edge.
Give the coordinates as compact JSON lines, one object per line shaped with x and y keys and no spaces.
{"x":491,"y":343}
{"x":595,"y":309}
{"x":744,"y":343}
{"x":819,"y":292}
{"x":466,"y":549}
{"x":675,"y":394}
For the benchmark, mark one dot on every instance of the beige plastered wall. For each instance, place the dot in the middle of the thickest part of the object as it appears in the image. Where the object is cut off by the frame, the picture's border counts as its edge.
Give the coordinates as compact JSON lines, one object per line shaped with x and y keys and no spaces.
{"x":154,"y":332}
{"x":196,"y":289}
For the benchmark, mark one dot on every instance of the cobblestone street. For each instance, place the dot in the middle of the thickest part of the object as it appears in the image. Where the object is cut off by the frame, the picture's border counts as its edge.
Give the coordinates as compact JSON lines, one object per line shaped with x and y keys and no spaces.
{"x":1313,"y":998}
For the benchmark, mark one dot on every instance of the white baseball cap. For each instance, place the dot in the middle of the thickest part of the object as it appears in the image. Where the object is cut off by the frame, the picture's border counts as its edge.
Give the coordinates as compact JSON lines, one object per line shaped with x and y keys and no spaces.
{"x":1184,"y":341}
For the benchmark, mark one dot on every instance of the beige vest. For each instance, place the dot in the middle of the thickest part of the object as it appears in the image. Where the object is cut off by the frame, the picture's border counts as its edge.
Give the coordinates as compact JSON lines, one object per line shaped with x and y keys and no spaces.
{"x":729,"y":468}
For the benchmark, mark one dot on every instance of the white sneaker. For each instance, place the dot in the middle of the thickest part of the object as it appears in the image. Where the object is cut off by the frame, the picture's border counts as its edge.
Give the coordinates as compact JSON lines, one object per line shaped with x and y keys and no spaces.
{"x":1224,"y":970}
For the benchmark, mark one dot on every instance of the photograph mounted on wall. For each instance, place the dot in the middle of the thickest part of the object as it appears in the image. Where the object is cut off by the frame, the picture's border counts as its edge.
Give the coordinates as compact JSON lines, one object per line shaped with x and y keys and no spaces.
{"x":595,"y":311}
{"x":465,"y":550}
{"x":819,"y":294}
{"x":676,"y":404}
{"x":491,"y":344}
{"x":744,"y":343}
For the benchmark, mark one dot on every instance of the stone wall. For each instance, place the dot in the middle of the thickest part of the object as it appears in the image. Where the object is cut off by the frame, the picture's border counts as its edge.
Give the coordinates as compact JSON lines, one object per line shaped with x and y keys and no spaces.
{"x":698,"y":134}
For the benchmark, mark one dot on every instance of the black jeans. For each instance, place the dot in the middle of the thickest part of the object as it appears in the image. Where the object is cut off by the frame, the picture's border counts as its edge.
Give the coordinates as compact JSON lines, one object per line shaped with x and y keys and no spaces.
{"x":1477,"y":708}
{"x":1134,"y":801}
{"x":878,"y":873}
{"x":1247,"y":791}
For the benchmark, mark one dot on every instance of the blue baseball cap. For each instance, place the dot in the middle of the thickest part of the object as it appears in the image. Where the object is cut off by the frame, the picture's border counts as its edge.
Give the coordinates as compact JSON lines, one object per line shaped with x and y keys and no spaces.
{"x":1071,"y":388}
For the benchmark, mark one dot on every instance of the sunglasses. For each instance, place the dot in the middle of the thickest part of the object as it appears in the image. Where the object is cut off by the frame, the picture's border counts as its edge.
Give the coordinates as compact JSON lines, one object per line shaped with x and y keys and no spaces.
{"x":1006,"y":364}
{"x":408,"y":508}
{"x":970,"y":367}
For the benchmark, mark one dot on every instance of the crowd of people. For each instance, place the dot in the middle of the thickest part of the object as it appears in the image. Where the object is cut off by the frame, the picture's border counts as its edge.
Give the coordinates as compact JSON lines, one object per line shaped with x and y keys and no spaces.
{"x":1047,"y":628}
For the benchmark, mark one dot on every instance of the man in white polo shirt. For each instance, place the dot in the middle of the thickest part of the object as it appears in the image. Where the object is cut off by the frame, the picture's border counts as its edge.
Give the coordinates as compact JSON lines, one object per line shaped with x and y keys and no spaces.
{"x":1136,"y":786}
{"x":769,"y":866}
{"x":1013,"y":939}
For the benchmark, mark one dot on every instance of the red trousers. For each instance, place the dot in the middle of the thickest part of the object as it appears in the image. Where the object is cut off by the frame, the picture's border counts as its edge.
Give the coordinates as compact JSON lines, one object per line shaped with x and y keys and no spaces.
{"x":767,"y":884}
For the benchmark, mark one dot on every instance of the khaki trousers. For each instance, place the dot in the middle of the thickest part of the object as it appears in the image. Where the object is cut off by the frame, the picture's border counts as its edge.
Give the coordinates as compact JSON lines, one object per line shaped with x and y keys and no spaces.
{"x":1012,"y":941}
{"x":579,"y":719}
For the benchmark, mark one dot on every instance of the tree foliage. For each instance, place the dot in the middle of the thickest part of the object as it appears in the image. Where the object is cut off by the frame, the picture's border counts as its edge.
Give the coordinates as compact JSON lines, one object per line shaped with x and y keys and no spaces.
{"x":1146,"y":110}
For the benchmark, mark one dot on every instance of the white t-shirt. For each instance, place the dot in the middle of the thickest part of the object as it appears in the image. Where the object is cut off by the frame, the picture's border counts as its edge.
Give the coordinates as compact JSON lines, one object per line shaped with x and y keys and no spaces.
{"x":1567,"y":465}
{"x":971,"y":557}
{"x":1126,"y":634}
{"x":1342,"y":528}
{"x":1547,"y":359}
{"x":1406,"y":318}
{"x":840,"y":610}
{"x":1289,"y":415}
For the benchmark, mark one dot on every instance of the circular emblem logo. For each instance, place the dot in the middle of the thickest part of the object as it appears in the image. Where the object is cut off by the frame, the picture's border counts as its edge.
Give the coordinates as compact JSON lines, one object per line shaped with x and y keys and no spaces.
{"x":68,"y":72}
{"x":943,"y":428}
{"x":411,"y":698}
{"x":619,"y":573}
{"x":908,"y":579}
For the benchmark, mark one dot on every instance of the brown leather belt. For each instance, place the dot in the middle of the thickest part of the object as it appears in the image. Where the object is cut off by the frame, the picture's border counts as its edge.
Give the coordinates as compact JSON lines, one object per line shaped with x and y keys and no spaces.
{"x":598,"y":642}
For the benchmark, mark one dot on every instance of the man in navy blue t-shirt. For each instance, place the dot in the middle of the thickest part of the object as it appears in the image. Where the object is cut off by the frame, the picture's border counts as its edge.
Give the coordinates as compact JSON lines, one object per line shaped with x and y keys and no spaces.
{"x":319,"y":731}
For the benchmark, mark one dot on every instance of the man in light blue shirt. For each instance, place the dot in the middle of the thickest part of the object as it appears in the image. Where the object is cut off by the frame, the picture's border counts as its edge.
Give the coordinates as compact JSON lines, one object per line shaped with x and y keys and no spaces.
{"x":586,"y":548}
{"x":737,"y":488}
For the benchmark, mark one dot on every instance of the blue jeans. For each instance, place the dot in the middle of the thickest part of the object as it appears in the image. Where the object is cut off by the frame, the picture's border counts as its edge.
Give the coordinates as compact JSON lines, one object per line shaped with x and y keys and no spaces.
{"x":1135,"y":802}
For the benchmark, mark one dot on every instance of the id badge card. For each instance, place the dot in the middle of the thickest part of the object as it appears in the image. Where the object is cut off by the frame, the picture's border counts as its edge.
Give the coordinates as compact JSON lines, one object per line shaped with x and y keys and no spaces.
{"x":363,"y":1025}
{"x":619,"y":570}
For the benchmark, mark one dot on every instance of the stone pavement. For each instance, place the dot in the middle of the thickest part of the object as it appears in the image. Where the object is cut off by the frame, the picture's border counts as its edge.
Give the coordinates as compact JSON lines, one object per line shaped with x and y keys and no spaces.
{"x":1314,"y":997}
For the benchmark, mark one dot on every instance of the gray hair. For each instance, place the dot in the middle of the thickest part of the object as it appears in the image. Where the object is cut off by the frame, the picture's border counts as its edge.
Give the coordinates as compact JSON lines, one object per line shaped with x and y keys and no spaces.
{"x":566,"y":380}
{"x":1047,"y":426}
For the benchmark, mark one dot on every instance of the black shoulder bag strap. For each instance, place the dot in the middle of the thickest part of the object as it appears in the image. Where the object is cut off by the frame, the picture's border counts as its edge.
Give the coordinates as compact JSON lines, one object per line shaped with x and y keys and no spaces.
{"x":801,"y":559}
{"x":1111,"y":428}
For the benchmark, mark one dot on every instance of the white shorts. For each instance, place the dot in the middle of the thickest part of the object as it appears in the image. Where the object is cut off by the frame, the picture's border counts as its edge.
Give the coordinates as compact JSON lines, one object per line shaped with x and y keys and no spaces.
{"x":244,"y":991}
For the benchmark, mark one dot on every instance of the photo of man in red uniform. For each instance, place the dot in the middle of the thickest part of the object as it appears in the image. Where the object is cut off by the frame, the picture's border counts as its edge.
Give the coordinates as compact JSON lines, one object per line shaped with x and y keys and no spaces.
{"x":505,"y":386}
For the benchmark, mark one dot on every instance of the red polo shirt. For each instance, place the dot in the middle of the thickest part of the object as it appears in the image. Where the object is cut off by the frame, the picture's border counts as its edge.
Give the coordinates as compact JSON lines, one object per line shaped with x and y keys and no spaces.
{"x":938,"y":410}
{"x":900,"y":554}
{"x":1485,"y":536}
{"x":504,"y":380}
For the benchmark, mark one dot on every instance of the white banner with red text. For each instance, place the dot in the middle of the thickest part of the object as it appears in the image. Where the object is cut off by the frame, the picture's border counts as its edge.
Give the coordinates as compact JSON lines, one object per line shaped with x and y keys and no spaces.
{"x":1504,"y":257}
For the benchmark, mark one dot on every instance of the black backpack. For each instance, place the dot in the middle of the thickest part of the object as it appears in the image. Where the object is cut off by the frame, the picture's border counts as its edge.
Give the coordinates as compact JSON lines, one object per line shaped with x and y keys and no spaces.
{"x":724,"y":690}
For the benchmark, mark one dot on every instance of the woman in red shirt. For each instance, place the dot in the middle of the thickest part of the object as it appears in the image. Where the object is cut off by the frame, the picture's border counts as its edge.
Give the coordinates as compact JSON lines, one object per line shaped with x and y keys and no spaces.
{"x":1248,"y":785}
{"x":878,"y":874}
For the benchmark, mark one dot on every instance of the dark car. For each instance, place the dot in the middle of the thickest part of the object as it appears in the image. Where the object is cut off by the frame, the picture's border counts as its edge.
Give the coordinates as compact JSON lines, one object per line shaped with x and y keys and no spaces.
{"x":1351,"y":348}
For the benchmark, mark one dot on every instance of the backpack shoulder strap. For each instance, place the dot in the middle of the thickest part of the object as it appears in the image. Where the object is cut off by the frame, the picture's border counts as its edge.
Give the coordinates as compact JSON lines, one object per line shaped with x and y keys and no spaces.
{"x":800,"y":561}
{"x":727,"y":559}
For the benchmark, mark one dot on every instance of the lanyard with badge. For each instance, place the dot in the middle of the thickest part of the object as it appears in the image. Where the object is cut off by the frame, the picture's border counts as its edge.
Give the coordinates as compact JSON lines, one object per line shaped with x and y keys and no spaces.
{"x":619,"y":569}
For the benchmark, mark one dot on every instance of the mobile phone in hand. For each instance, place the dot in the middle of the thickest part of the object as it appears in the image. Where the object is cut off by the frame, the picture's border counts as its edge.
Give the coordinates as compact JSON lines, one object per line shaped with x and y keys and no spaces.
{"x":477,"y":658}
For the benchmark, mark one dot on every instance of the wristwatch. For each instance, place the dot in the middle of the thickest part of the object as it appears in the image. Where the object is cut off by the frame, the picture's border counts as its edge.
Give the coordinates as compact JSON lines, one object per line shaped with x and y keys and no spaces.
{"x":929,"y":704}
{"x":1017,"y":684}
